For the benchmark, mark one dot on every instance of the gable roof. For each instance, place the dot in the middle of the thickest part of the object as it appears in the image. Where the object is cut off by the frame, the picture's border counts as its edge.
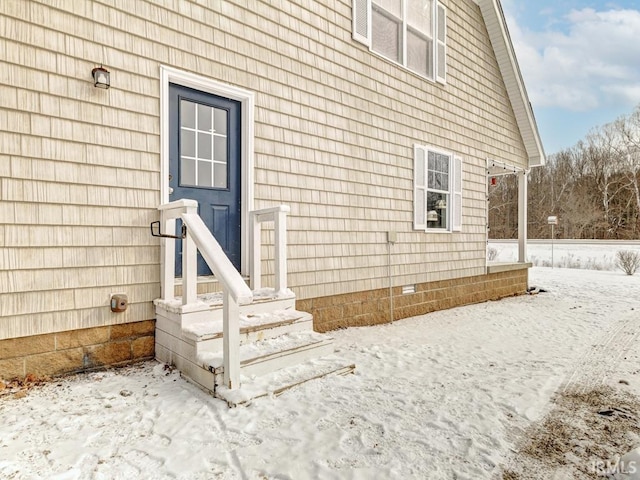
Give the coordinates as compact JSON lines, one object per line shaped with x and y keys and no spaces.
{"x":503,"y":48}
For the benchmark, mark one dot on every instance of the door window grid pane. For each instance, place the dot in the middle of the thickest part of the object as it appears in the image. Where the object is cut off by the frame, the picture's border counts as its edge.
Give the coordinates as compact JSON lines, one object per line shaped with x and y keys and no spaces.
{"x":187,"y":116}
{"x":203,"y":145}
{"x":205,"y":177}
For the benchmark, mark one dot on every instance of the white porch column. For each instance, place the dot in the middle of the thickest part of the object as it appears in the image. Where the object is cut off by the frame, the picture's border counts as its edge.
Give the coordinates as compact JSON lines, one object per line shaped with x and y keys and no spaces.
{"x":522,"y":216}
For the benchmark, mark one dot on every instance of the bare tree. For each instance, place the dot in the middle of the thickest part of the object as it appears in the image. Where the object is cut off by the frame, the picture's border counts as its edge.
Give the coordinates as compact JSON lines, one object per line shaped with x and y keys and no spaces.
{"x":593,"y":187}
{"x":629,"y":154}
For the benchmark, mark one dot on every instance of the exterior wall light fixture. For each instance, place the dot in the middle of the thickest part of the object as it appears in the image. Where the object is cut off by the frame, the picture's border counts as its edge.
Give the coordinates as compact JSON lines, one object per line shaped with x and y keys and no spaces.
{"x":101,"y":77}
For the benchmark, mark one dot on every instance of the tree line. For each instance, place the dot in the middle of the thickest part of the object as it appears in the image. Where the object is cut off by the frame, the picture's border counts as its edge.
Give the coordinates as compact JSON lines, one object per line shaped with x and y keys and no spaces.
{"x":593,"y":188}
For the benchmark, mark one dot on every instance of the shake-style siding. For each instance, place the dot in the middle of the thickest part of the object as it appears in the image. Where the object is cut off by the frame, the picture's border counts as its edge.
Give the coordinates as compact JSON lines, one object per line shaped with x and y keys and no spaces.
{"x":335,"y":127}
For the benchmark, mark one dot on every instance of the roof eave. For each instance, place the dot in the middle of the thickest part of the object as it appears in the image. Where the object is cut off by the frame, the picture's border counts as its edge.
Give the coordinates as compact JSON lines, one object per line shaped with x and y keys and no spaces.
{"x":505,"y":54}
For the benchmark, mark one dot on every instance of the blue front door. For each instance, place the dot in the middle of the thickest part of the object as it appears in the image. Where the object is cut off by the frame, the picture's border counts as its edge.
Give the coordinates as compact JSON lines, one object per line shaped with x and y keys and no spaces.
{"x":204,"y":148}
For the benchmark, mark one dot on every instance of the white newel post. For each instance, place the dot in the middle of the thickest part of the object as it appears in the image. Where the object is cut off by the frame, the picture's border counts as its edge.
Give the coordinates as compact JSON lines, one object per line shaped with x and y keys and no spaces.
{"x":189,"y":270}
{"x":231,"y":341}
{"x":277,"y":215}
{"x":255,"y":272}
{"x":168,"y":266}
{"x":280,"y":250}
{"x":189,"y":265}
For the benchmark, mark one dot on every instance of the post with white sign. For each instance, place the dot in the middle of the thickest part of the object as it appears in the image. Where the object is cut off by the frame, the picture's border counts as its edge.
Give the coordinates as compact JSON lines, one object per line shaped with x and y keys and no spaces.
{"x":553,"y":221}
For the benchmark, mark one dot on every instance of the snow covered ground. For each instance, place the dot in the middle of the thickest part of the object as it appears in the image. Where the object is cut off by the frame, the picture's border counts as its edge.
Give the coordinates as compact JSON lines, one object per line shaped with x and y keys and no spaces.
{"x":442,"y":396}
{"x":586,"y":254}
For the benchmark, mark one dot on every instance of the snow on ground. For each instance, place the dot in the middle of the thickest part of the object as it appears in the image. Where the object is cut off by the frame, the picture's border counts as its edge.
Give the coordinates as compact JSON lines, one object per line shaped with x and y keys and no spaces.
{"x":587,"y":254}
{"x":442,"y":396}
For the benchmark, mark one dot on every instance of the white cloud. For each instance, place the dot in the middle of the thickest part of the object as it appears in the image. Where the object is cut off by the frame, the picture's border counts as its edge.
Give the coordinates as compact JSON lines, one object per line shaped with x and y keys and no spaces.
{"x":588,"y":60}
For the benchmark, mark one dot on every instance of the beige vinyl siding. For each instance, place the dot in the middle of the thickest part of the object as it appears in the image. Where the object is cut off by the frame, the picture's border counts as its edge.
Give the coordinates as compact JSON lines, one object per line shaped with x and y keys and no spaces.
{"x":334,"y":135}
{"x":80,"y":175}
{"x":375,"y":111}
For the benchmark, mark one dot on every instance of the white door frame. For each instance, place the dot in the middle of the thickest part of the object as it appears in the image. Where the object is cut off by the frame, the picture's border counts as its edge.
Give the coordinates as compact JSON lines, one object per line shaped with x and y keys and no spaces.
{"x":247,"y":101}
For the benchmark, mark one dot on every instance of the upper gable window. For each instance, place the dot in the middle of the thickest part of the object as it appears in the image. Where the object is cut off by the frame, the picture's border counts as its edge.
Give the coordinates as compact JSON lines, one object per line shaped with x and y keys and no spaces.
{"x":409,"y":32}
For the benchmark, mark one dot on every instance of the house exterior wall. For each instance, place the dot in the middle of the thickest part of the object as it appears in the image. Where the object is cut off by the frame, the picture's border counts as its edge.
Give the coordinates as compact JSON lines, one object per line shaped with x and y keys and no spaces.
{"x":334,"y":134}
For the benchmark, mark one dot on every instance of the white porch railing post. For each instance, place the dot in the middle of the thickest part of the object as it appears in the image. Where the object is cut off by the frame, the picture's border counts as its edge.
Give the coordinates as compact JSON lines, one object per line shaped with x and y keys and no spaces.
{"x":168,"y":265}
{"x":280,"y":251}
{"x":189,"y":270}
{"x":189,"y":264}
{"x":231,"y":341}
{"x":169,"y":212}
{"x":278,"y":215}
{"x":255,"y":272}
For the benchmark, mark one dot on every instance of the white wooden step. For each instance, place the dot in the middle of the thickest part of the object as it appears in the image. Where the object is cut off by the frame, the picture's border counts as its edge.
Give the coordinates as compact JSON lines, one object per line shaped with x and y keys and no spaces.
{"x":202,"y":338}
{"x":267,"y":356}
{"x":265,"y":300}
{"x":207,"y":336}
{"x":209,"y":306}
{"x":282,"y":380}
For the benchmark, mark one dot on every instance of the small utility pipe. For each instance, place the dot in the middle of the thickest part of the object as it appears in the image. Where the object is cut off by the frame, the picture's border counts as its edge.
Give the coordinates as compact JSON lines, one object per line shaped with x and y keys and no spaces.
{"x":391,"y":239}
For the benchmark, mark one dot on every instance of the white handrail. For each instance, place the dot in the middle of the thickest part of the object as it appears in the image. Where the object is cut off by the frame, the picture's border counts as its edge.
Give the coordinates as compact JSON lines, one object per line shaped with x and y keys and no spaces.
{"x":278,"y":215}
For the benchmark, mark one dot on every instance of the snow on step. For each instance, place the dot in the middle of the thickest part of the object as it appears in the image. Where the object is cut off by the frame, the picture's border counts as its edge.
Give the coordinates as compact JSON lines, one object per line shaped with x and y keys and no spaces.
{"x":261,"y":295}
{"x":247,"y":322}
{"x":214,"y":300}
{"x":280,"y":381}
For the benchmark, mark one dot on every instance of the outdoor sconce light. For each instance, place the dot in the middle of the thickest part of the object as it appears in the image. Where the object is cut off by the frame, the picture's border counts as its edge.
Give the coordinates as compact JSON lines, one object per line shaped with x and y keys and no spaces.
{"x":101,"y":77}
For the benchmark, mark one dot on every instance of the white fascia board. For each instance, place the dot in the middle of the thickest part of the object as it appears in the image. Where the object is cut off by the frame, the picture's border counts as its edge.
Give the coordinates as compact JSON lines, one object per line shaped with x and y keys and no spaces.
{"x":505,"y":55}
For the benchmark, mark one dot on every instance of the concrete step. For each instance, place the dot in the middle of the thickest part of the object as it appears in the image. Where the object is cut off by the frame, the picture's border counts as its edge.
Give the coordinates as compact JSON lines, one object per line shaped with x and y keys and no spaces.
{"x":278,"y":382}
{"x":270,"y":355}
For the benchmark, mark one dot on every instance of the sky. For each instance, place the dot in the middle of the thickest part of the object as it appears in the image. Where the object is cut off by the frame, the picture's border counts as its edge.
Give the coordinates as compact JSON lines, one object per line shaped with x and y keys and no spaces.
{"x":580,"y":61}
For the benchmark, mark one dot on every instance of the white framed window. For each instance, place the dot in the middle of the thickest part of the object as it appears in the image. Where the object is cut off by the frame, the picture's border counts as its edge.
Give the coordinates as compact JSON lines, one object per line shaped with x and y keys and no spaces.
{"x":411,"y":33}
{"x":437,"y":194}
